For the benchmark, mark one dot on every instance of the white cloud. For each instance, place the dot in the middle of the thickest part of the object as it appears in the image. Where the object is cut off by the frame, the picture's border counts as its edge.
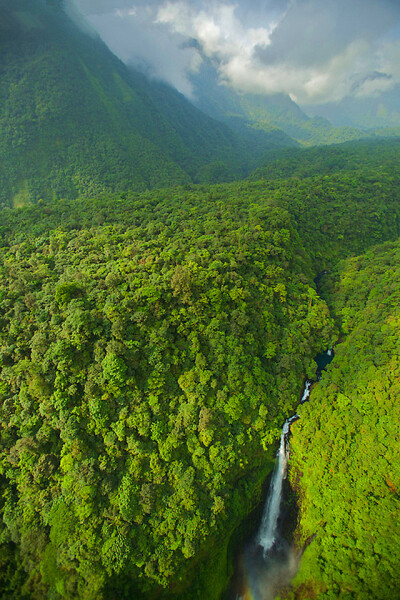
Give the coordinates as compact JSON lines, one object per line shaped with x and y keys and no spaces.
{"x":315,"y":50}
{"x":122,"y":13}
{"x":132,"y":34}
{"x":218,"y":29}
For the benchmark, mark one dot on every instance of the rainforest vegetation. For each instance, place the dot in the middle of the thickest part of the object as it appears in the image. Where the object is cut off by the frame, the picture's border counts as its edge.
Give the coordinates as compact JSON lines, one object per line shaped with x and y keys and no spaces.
{"x":151,"y":346}
{"x":345,"y":444}
{"x":140,"y":397}
{"x":158,"y":316}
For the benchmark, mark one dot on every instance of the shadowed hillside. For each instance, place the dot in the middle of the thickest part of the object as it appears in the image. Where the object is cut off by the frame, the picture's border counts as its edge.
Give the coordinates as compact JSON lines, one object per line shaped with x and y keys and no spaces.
{"x":75,"y":120}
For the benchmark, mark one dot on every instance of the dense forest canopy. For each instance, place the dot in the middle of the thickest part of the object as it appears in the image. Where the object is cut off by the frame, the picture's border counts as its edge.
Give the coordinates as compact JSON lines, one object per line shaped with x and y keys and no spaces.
{"x":345,"y":444}
{"x":151,"y":347}
{"x":352,"y":204}
{"x":145,"y":374}
{"x":352,"y":156}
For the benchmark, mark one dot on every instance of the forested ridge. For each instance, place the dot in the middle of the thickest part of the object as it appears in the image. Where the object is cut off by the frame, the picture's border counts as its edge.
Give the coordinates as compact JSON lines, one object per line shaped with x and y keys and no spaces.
{"x":351,"y":156}
{"x":345,"y":445}
{"x":334,"y":214}
{"x":151,"y":347}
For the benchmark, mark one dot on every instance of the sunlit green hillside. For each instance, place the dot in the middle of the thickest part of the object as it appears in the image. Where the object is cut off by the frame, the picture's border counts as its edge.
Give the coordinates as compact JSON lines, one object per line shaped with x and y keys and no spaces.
{"x":345,"y":445}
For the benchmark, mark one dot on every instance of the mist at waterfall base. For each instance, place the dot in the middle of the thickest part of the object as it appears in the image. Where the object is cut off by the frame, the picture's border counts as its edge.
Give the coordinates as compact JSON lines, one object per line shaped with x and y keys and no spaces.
{"x":269,"y":562}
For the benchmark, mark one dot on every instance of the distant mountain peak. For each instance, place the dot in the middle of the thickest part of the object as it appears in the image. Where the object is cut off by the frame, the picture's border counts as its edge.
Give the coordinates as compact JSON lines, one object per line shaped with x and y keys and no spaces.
{"x":266,"y":112}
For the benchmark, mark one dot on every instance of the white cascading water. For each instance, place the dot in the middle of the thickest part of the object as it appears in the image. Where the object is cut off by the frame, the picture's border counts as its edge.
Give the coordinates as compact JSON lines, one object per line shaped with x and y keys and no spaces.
{"x":307,"y":390}
{"x":267,"y":532}
{"x":265,"y":573}
{"x":268,"y":529}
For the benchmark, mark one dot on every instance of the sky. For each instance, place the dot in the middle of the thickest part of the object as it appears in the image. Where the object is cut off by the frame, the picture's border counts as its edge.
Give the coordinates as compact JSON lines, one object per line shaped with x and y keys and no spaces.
{"x":316,"y":51}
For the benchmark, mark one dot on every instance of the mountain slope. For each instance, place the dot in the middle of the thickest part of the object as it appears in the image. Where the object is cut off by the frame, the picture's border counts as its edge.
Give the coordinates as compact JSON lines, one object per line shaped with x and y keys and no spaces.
{"x":344,"y":459}
{"x":75,"y":120}
{"x":274,"y":113}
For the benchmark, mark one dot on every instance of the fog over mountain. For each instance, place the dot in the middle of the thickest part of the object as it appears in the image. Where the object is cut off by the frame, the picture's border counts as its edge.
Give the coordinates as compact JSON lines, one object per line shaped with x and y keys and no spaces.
{"x":315,"y":51}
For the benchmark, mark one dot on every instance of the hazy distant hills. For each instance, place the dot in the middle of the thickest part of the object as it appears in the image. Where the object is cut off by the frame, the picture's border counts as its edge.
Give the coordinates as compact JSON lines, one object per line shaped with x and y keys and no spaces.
{"x":75,"y":120}
{"x":372,"y":112}
{"x":267,"y":113}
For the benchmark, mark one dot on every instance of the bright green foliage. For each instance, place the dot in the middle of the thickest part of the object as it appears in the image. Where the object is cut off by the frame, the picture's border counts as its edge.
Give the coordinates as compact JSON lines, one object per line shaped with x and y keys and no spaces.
{"x":345,"y":446}
{"x":151,"y":346}
{"x":145,"y":373}
{"x":335,"y":215}
{"x":352,"y":156}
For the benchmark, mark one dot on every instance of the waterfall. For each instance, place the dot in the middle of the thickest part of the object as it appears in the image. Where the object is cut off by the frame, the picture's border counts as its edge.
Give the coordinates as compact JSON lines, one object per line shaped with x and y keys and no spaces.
{"x":260,"y":575}
{"x":307,"y":390}
{"x":268,"y":530}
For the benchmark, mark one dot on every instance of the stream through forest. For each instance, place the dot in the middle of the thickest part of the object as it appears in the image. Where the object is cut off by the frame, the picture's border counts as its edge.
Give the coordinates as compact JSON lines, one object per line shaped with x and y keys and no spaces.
{"x":267,"y":562}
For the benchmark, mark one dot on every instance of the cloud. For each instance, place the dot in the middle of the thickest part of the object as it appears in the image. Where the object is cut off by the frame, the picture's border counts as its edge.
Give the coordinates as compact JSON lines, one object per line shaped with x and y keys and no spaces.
{"x":316,"y":51}
{"x":132,"y":33}
{"x":218,"y":30}
{"x":101,"y":7}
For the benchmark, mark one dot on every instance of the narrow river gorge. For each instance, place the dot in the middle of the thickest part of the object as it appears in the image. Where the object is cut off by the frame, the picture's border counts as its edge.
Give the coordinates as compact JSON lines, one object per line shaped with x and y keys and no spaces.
{"x":268,"y":561}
